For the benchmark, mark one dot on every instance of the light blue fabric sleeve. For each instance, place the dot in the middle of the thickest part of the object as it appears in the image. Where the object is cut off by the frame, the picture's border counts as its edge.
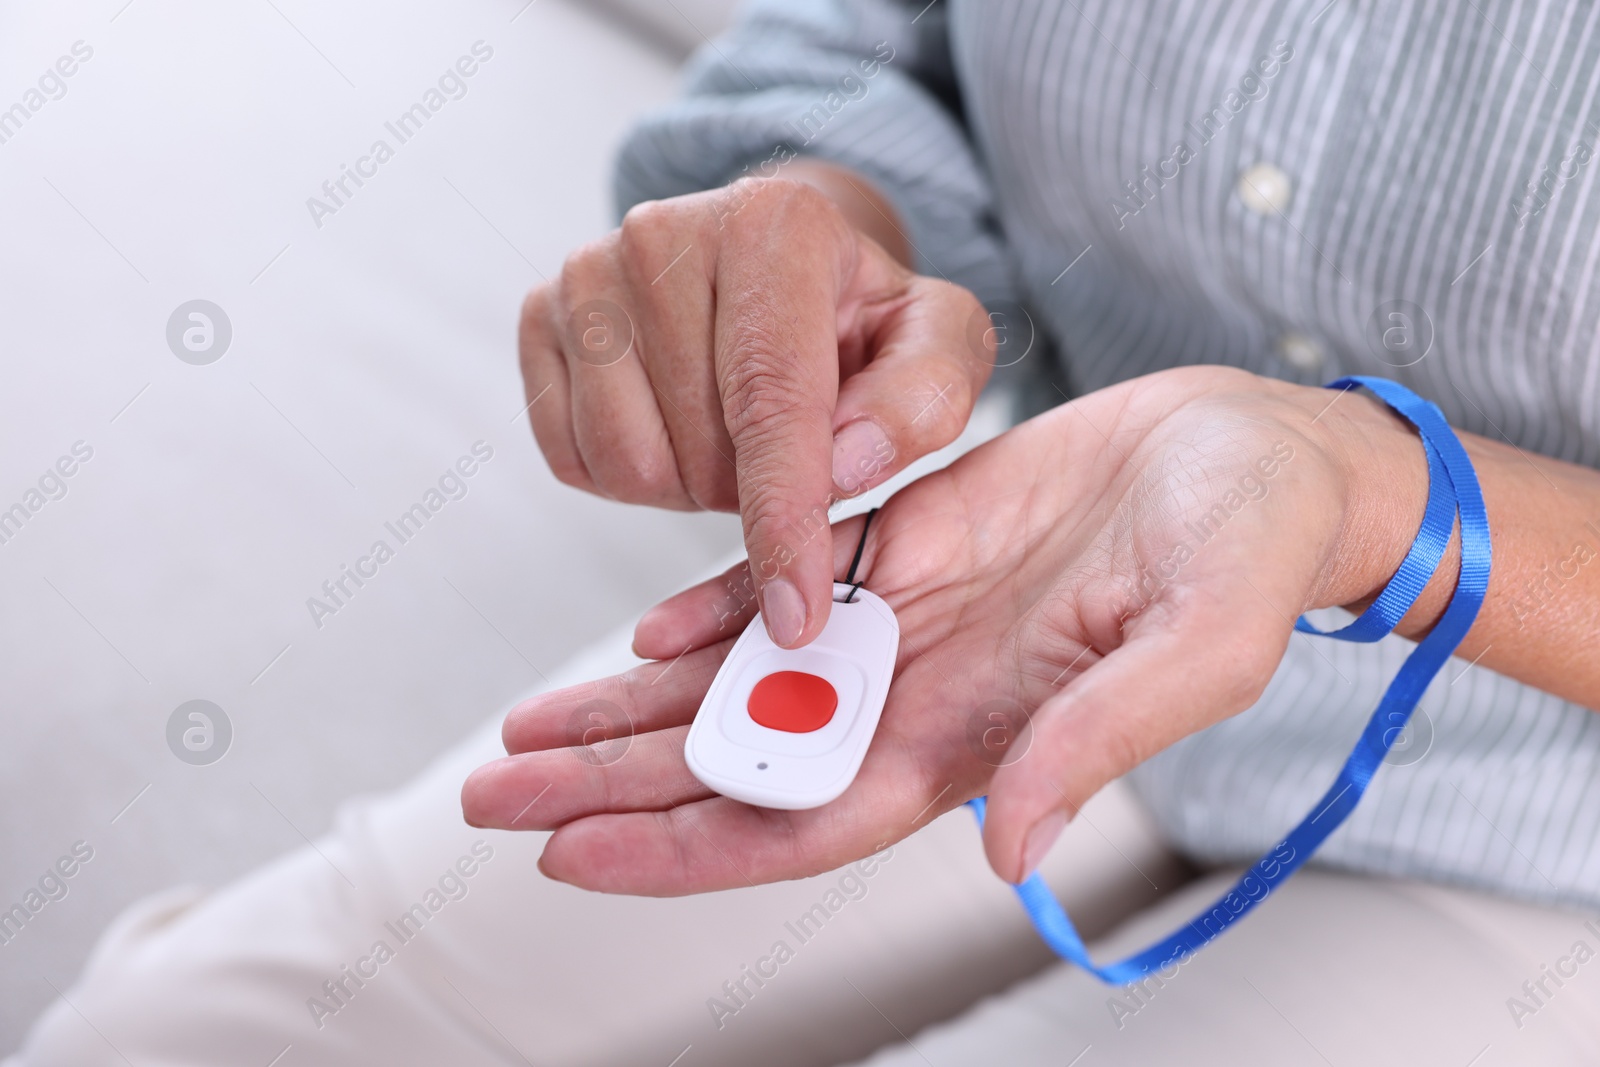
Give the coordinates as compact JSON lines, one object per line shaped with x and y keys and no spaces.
{"x":867,"y":84}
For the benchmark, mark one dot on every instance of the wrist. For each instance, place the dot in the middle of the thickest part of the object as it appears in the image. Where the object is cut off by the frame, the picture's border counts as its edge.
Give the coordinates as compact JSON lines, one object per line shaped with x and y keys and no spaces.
{"x":1385,"y":472}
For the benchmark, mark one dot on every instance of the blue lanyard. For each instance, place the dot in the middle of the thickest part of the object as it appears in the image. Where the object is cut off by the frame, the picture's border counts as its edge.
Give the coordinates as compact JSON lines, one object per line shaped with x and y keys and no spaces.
{"x":1452,"y":490}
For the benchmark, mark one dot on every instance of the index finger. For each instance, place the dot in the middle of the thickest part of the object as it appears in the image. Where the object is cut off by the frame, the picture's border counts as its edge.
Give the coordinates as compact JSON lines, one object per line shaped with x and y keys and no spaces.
{"x":777,"y":360}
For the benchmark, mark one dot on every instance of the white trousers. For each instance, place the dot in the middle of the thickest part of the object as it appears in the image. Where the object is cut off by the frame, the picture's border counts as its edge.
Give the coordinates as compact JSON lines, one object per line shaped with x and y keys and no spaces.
{"x":405,"y":937}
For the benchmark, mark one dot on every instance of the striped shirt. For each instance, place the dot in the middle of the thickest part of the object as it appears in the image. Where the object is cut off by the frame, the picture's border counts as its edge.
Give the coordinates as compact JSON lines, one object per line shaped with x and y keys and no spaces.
{"x":1300,"y":189}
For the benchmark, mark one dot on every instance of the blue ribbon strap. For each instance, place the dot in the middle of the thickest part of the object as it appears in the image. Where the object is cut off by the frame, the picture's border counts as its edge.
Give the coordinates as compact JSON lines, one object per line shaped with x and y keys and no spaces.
{"x":1433,"y":537}
{"x":1453,"y":492}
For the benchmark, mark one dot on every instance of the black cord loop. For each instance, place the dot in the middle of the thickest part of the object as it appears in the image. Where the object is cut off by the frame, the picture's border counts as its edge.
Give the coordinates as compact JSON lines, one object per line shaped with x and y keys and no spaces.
{"x":861,"y":545}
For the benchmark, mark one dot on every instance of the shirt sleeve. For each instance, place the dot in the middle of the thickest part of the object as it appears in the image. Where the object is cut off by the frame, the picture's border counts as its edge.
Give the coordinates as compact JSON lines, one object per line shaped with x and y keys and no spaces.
{"x":866,"y":84}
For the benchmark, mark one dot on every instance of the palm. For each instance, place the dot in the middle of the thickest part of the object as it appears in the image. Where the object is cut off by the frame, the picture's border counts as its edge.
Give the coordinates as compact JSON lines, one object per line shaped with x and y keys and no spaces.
{"x":1035,"y":576}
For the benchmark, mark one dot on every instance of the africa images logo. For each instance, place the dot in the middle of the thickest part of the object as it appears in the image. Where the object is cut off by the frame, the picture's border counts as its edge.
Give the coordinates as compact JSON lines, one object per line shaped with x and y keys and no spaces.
{"x":452,"y":485}
{"x":451,"y":85}
{"x":1253,"y":85}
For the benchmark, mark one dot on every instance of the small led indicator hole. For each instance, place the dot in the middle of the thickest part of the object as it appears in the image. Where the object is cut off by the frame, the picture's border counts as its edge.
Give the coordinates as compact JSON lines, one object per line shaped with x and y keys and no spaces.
{"x":761,"y":766}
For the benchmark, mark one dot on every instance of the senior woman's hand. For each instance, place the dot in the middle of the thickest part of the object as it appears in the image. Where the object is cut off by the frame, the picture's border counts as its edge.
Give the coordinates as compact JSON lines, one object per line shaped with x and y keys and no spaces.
{"x":1122,"y":571}
{"x":751,"y":348}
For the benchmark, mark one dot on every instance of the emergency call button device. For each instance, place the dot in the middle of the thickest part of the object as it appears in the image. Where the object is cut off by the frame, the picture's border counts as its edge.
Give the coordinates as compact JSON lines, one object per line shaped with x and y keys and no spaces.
{"x":788,"y":728}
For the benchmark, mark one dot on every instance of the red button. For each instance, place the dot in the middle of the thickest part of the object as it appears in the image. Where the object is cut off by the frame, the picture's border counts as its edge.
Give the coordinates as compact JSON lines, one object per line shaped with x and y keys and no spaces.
{"x":793,"y":701}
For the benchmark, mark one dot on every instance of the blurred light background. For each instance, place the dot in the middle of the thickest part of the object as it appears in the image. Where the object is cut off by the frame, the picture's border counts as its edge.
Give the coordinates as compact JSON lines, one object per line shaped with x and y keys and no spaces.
{"x":366,"y":356}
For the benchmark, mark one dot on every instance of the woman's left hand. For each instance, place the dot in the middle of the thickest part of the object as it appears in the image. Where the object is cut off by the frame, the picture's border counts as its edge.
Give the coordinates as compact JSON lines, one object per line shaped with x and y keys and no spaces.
{"x":1073,"y":597}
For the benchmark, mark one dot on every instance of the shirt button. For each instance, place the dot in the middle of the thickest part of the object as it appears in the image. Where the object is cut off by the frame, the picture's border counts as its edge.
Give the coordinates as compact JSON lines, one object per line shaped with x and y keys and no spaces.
{"x":1264,"y":189}
{"x":1300,"y":352}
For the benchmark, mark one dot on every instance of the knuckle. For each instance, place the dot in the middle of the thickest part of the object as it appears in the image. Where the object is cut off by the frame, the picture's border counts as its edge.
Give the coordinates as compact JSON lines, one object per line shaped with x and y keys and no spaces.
{"x":944,"y":416}
{"x":533,"y":321}
{"x":535,"y":309}
{"x":969,"y":309}
{"x":587,"y":269}
{"x":665,"y":241}
{"x":673,"y":825}
{"x":1252,"y":656}
{"x":798,"y":197}
{"x":761,"y":395}
{"x":1258,"y":661}
{"x":638,"y":475}
{"x":778,"y":528}
{"x":710,"y":487}
{"x":764,"y":204}
{"x":568,"y":469}
{"x":648,"y":228}
{"x":751,"y":189}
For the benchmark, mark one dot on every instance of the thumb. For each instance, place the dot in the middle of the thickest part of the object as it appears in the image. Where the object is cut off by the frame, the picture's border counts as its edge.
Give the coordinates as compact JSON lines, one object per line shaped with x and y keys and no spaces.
{"x":915,"y":393}
{"x":1157,"y":688}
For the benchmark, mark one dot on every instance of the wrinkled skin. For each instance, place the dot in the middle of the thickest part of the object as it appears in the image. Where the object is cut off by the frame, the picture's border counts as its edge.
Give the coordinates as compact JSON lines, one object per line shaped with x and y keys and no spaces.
{"x":1041,"y":571}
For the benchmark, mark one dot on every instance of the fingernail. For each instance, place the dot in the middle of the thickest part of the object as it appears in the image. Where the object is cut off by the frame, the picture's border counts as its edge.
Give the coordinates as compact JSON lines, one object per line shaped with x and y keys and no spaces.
{"x":784,"y":610}
{"x":1039,"y":840}
{"x":861,"y":451}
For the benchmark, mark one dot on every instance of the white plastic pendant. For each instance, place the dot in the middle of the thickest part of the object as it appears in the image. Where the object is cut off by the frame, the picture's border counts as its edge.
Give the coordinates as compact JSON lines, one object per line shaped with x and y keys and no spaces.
{"x":783,"y":728}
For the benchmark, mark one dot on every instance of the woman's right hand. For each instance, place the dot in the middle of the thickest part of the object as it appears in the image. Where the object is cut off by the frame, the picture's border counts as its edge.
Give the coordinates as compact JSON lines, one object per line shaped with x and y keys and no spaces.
{"x":748,"y":348}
